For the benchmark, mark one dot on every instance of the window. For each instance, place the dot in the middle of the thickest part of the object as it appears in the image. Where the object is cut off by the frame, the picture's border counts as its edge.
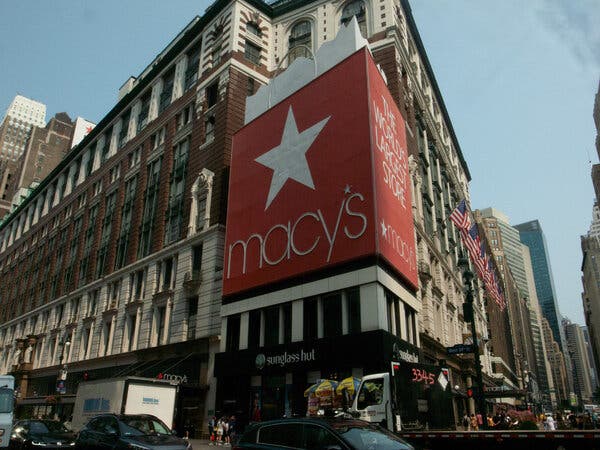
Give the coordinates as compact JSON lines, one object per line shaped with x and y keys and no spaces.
{"x":150,"y":205}
{"x":310,"y":319}
{"x":254,"y":329}
{"x":134,"y":157}
{"x":353,"y":308}
{"x":144,"y":110}
{"x":212,"y":94}
{"x":124,"y":128}
{"x":300,"y":36}
{"x":271,"y":326}
{"x":174,"y":216}
{"x":130,"y":333}
{"x":115,"y":173}
{"x":126,"y":216}
{"x":196,"y":261}
{"x":287,"y":323}
{"x":106,"y":332}
{"x":96,"y":188}
{"x":250,"y":86}
{"x":158,"y":138}
{"x":355,"y":8}
{"x":209,"y":130}
{"x":233,"y":333}
{"x":332,"y":310}
{"x":252,"y":53}
{"x":253,"y":28}
{"x":191,"y":73}
{"x":167,"y":91}
{"x":216,"y":54}
{"x":192,"y":307}
{"x":185,"y":117}
{"x":105,"y":237}
{"x":106,"y":148}
{"x":137,"y":285}
{"x":160,"y":318}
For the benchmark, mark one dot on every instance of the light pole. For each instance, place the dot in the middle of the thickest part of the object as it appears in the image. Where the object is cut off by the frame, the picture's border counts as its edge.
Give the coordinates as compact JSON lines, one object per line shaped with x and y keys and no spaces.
{"x":469,"y":313}
{"x":62,"y":372}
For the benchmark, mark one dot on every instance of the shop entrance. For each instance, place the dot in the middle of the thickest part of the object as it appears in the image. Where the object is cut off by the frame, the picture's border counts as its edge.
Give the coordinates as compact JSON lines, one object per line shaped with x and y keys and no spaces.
{"x":273,"y":399}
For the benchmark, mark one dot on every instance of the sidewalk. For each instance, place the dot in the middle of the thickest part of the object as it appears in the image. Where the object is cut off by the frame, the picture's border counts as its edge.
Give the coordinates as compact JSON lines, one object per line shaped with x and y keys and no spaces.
{"x":203,"y":444}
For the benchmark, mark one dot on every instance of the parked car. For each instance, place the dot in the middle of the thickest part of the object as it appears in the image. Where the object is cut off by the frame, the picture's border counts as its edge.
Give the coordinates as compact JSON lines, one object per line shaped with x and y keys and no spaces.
{"x":51,"y":434}
{"x":319,"y":433}
{"x":120,"y":431}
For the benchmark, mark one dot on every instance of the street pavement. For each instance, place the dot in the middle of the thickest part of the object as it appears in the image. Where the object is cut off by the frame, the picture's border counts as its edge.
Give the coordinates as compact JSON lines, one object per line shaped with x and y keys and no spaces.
{"x":202,"y":444}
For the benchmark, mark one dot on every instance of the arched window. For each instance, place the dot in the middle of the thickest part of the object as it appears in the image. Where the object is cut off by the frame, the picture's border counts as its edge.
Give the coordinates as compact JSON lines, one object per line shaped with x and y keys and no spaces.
{"x":301,"y":35}
{"x":355,"y":8}
{"x":253,"y":28}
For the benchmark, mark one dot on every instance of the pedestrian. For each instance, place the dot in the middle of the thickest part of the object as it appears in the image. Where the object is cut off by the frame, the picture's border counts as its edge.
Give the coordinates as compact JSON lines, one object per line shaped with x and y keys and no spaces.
{"x":550,"y":423}
{"x":474,"y":426}
{"x":466,"y":422}
{"x":211,"y":430}
{"x":490,"y":421}
{"x":219,"y":428}
{"x":225,"y":431}
{"x":232,"y":430}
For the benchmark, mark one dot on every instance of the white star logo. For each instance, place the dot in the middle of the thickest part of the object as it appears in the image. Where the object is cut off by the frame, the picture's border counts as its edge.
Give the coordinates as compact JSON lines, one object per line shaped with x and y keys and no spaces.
{"x":288,"y":159}
{"x":383,"y":228}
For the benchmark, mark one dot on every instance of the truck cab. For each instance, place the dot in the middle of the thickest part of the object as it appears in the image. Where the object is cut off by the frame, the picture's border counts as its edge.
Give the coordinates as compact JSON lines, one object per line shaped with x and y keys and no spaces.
{"x":373,"y":400}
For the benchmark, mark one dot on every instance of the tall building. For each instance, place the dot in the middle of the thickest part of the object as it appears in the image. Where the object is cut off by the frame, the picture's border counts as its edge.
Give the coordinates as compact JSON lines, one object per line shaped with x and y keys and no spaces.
{"x":582,"y":369}
{"x":45,"y":148}
{"x":21,"y":117}
{"x":514,"y":255}
{"x":590,"y":247}
{"x":532,"y":236}
{"x":115,"y":263}
{"x":562,"y":390}
{"x":590,"y":353}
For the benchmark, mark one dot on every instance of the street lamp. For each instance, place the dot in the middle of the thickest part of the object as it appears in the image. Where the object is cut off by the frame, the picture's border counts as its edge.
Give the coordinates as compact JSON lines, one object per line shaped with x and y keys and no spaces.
{"x":469,"y":313}
{"x":62,"y":373}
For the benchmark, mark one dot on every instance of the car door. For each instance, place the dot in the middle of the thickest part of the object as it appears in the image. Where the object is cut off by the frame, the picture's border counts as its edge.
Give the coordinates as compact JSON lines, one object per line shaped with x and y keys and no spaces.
{"x":318,"y":437}
{"x":111,"y":433}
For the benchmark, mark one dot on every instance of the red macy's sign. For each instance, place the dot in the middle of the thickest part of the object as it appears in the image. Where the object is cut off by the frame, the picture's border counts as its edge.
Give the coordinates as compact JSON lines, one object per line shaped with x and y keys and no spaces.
{"x":320,"y":179}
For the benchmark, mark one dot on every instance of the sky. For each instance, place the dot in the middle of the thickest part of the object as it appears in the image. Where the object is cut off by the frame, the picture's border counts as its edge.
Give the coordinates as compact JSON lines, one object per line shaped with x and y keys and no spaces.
{"x":517,"y":78}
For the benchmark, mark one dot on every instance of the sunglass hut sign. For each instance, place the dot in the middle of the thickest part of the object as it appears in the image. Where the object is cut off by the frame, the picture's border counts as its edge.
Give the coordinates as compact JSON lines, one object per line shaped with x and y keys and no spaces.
{"x":284,"y":359}
{"x":302,"y":190}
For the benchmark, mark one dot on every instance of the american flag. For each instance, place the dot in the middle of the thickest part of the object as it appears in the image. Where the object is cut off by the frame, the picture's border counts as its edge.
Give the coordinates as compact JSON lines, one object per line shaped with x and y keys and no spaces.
{"x":460,"y":216}
{"x":472,"y":242}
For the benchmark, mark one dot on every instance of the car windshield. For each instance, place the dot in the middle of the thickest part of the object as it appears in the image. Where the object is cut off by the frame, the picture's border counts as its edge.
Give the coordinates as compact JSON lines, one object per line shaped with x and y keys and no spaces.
{"x":47,"y":427}
{"x":139,"y":426}
{"x":371,"y":438}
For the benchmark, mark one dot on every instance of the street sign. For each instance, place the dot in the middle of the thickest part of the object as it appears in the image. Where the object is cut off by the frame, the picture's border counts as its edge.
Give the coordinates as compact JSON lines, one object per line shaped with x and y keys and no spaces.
{"x":459,"y":348}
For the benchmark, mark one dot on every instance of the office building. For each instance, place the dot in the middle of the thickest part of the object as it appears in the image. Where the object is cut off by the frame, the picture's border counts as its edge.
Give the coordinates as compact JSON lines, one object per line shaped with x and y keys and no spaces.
{"x":582,"y":369}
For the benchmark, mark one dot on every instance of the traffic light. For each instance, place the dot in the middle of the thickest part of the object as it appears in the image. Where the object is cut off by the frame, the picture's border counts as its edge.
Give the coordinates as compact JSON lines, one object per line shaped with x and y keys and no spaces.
{"x":470,"y":392}
{"x":86,"y":376}
{"x":160,"y":376}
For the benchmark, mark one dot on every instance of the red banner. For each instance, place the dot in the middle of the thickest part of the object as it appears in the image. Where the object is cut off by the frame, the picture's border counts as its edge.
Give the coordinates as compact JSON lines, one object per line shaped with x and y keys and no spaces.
{"x":301,"y":195}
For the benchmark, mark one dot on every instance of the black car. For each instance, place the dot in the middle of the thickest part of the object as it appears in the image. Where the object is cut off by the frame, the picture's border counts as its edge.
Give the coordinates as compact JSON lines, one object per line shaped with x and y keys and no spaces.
{"x":51,"y":434}
{"x":132,"y":431}
{"x":319,"y":434}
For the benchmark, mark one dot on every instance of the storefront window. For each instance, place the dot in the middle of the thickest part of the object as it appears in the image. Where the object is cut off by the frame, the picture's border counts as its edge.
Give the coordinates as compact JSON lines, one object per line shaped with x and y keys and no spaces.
{"x":310,"y":318}
{"x":233,"y":333}
{"x":287,"y":323}
{"x":271,"y":326}
{"x":353,"y":308}
{"x":332,"y":315}
{"x":254,"y":329}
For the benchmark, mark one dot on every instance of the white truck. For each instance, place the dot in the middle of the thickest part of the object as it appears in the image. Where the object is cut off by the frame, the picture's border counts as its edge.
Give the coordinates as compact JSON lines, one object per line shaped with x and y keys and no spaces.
{"x":126,"y":395}
{"x":7,"y":402}
{"x":411,"y":396}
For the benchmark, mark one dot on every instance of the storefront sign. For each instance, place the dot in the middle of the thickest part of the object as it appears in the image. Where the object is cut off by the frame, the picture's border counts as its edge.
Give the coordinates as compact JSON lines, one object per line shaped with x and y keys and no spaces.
{"x":404,"y":355}
{"x":316,"y":182}
{"x":285,"y":358}
{"x":177,"y":378}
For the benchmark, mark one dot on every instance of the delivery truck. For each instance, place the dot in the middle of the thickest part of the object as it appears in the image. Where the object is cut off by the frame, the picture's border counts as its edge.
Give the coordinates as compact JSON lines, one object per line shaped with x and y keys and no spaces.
{"x":125,"y":395}
{"x":411,"y":396}
{"x":7,"y":402}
